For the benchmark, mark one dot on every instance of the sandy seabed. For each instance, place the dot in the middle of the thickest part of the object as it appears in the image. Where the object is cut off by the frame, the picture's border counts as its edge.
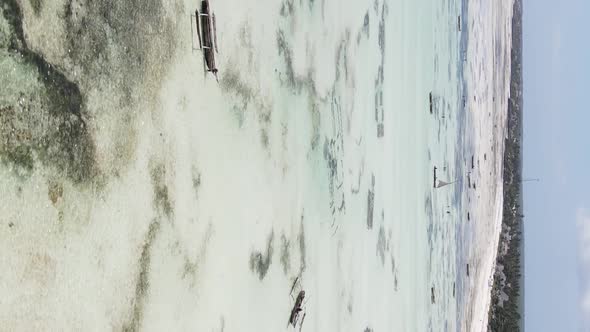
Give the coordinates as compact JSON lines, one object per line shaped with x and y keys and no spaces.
{"x":140,"y":194}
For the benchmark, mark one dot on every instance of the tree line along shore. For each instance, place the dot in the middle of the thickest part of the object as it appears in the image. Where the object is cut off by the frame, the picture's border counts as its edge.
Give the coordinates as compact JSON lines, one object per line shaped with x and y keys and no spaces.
{"x":507,"y":295}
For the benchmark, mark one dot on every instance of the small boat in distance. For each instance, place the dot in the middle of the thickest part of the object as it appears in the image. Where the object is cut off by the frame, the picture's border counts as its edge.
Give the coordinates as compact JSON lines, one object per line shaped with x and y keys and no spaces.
{"x":434,"y":178}
{"x":432,"y":297}
{"x":207,"y":35}
{"x":442,"y":183}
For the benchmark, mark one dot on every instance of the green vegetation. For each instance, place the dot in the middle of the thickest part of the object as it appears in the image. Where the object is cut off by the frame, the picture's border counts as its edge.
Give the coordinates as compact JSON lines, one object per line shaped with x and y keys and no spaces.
{"x":506,"y":306}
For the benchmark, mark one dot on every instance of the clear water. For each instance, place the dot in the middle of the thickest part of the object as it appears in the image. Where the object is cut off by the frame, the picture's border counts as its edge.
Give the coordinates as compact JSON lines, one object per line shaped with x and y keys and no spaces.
{"x":311,"y":160}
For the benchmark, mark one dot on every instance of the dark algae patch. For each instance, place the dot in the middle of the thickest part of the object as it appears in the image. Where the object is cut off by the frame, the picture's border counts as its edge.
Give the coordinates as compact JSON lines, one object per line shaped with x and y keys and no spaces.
{"x":139,"y":29}
{"x":20,"y":156}
{"x":37,"y":5}
{"x":143,"y":284}
{"x":55,"y":191}
{"x":302,"y":247}
{"x":371,"y":203}
{"x":260,"y":262}
{"x":163,"y":208}
{"x":161,"y":196}
{"x":113,"y":52}
{"x":42,"y":121}
{"x":381,"y":245}
{"x":196,"y":180}
{"x":232,"y":82}
{"x":287,"y":53}
{"x":285,"y":254}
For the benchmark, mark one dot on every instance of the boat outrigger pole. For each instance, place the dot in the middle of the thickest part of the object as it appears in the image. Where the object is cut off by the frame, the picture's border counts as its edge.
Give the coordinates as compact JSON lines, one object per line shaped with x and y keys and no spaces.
{"x":198,"y":28}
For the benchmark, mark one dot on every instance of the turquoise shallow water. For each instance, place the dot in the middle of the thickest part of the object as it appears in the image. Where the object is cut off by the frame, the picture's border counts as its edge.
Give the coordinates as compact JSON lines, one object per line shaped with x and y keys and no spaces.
{"x":166,"y":200}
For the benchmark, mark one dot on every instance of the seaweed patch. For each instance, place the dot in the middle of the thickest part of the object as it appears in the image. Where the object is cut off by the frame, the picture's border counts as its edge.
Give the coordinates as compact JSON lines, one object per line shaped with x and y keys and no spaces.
{"x":371,"y":203}
{"x":302,"y":246}
{"x":381,"y":245}
{"x":143,"y":283}
{"x":43,"y":120}
{"x":196,"y":180}
{"x":162,"y":200}
{"x":36,"y":5}
{"x":260,"y":262}
{"x":285,"y":254}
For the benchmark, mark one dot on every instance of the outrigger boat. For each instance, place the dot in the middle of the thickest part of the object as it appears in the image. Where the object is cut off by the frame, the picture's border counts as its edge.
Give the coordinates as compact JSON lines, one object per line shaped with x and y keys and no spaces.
{"x":295,"y":317}
{"x":297,"y":309}
{"x":207,"y":35}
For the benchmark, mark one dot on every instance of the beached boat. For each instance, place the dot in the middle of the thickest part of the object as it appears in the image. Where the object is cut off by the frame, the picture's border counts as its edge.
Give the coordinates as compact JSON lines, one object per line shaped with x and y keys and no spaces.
{"x":207,"y":35}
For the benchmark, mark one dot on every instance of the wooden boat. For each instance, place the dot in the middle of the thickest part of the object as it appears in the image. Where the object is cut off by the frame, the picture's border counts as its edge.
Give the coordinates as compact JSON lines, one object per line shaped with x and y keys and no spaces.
{"x":432,"y":297}
{"x":297,"y":308}
{"x":434,"y":178}
{"x":207,"y":35}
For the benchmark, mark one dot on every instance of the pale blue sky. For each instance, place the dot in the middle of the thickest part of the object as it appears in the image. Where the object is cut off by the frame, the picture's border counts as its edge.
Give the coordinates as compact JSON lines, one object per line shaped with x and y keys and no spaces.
{"x":556,"y":149}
